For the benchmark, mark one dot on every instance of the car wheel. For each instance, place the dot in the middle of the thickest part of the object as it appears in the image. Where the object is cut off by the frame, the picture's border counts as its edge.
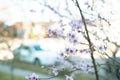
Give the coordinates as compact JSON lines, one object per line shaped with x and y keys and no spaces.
{"x":37,"y":62}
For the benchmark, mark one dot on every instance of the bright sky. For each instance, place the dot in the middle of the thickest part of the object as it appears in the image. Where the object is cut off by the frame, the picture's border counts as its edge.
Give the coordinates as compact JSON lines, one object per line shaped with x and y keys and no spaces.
{"x":17,"y":10}
{"x":12,"y":11}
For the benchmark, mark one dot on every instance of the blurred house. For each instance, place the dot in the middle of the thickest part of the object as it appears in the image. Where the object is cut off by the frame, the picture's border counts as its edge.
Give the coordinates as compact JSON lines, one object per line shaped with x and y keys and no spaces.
{"x":24,"y":30}
{"x":14,"y":30}
{"x":39,"y":29}
{"x":35,"y":30}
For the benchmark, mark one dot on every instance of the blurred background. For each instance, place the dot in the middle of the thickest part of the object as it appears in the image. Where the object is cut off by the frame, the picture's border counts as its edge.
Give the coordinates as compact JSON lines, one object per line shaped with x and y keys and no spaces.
{"x":23,"y":34}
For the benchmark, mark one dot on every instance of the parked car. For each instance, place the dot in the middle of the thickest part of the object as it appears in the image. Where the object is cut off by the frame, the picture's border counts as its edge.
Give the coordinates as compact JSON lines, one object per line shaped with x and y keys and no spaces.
{"x":33,"y":53}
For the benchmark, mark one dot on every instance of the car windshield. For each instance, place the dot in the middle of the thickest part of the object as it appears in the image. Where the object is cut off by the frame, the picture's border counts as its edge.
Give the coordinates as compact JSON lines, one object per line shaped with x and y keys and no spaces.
{"x":37,"y":48}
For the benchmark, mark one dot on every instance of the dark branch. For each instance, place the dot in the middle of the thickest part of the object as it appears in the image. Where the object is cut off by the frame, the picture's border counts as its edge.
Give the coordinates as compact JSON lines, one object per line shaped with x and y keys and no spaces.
{"x":89,"y":41}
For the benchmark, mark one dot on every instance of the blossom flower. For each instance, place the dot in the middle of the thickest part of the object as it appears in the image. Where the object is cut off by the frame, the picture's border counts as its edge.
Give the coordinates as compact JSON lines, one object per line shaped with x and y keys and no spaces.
{"x":69,"y":77}
{"x":87,"y":4}
{"x":55,"y":71}
{"x":70,"y":51}
{"x":85,"y":51}
{"x":32,"y":77}
{"x":49,"y":32}
{"x":76,"y":25}
{"x":84,"y":67}
{"x":61,"y":56}
{"x":60,"y":22}
{"x":89,"y":22}
{"x":88,"y":51}
{"x":82,"y":50}
{"x":71,"y":36}
{"x":101,"y":48}
{"x":59,"y":32}
{"x":55,"y":33}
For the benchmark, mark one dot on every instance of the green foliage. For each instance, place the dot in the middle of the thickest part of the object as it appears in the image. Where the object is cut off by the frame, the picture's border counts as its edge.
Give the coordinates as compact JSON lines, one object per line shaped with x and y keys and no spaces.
{"x":4,"y":76}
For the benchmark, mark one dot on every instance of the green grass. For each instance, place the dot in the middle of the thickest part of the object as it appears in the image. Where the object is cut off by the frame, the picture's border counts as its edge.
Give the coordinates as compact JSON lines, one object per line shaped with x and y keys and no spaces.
{"x":26,"y":66}
{"x":36,"y":68}
{"x":82,"y":77}
{"x":4,"y":76}
{"x":30,"y":67}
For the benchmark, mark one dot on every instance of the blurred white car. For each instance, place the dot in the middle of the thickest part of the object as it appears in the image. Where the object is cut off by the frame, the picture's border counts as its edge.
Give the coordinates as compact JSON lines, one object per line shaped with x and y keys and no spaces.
{"x":33,"y":53}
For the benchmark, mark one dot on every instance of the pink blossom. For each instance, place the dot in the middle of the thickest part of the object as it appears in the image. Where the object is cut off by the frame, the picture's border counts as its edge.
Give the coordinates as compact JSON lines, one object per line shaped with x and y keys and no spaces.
{"x":70,"y":51}
{"x":85,"y":51}
{"x":88,"y":51}
{"x":59,"y":32}
{"x":55,"y":71}
{"x":76,"y":25}
{"x":50,"y":32}
{"x":101,"y":48}
{"x":69,"y":77}
{"x":32,"y":77}
{"x":55,"y":33}
{"x":71,"y":36}
{"x":84,"y":67}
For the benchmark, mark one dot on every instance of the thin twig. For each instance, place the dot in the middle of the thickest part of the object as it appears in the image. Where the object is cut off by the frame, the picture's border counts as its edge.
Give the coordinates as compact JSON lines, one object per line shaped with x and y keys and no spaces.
{"x":89,"y":41}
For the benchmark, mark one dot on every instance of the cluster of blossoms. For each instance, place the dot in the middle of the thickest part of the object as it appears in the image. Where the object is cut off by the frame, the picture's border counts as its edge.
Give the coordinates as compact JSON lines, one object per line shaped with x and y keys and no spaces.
{"x":35,"y":77}
{"x":85,"y":51}
{"x":69,"y":77}
{"x":83,"y":66}
{"x":70,"y":51}
{"x":55,"y":71}
{"x":54,"y":33}
{"x":72,"y":38}
{"x":32,"y":77}
{"x":76,"y":25}
{"x":101,"y":48}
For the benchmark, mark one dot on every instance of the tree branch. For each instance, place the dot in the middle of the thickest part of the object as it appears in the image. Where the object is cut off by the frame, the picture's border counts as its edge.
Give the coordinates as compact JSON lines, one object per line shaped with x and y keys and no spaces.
{"x":89,"y":41}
